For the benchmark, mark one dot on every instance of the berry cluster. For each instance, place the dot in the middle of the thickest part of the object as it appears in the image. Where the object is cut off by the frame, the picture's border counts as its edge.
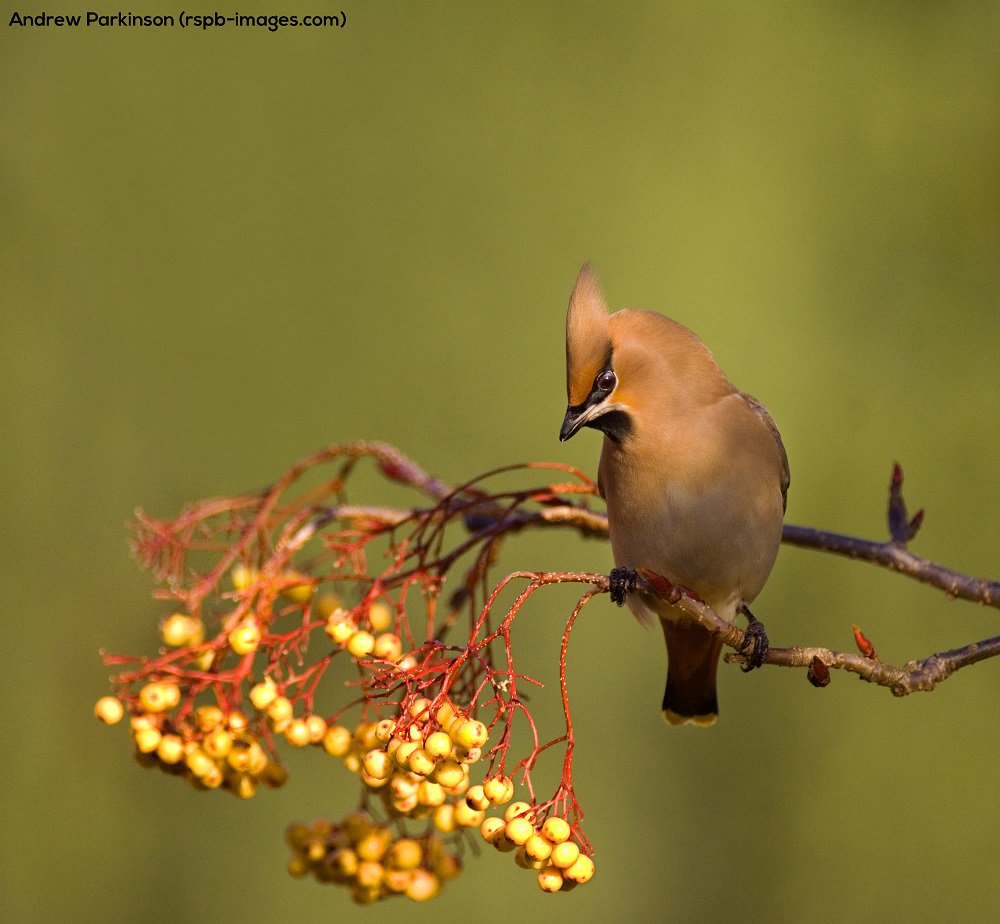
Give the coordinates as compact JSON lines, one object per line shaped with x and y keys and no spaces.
{"x":418,"y":762}
{"x":547,"y":849}
{"x":256,"y":585}
{"x":210,"y":748}
{"x":371,"y":860}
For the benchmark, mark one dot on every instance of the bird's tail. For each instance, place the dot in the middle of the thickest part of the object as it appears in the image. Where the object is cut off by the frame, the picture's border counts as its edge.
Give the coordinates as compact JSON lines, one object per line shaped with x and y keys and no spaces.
{"x":692,"y":661}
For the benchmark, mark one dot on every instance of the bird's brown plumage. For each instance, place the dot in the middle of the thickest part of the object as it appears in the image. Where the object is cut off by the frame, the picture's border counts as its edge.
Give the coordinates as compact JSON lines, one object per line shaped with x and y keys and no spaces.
{"x":693,"y":472}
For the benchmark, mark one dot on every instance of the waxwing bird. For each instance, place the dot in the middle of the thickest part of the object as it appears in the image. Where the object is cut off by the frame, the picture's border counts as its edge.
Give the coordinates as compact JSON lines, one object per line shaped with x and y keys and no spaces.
{"x":693,"y":472}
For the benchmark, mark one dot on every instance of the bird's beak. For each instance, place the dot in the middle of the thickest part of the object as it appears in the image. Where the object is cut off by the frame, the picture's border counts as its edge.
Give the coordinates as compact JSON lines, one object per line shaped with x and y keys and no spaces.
{"x":578,"y":416}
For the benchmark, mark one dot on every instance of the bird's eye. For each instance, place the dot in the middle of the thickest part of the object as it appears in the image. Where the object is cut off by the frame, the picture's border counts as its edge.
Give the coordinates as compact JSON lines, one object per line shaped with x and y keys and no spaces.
{"x":606,"y":380}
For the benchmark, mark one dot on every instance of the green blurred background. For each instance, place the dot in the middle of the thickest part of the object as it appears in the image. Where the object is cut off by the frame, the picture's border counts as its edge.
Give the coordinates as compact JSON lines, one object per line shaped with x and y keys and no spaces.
{"x":223,"y":250}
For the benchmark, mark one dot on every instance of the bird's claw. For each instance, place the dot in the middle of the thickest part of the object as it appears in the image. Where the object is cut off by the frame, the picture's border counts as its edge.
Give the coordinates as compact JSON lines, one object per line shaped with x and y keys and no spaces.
{"x":755,"y":644}
{"x":621,"y":582}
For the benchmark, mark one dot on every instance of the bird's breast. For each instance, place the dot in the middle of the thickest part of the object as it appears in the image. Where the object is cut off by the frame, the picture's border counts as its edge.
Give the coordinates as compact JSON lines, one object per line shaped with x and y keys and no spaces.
{"x":714,"y":529}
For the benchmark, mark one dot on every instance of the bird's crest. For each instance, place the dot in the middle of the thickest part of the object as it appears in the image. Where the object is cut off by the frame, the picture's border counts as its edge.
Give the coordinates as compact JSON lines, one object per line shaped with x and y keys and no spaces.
{"x":588,"y":343}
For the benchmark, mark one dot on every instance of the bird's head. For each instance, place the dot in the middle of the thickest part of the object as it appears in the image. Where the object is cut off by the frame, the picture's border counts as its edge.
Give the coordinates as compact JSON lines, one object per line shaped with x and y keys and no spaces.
{"x":630,"y":368}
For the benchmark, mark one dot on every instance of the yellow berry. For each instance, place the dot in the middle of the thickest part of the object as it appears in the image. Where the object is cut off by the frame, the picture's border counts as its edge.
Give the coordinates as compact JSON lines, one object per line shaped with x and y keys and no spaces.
{"x":263,"y":694}
{"x":245,"y":637}
{"x":170,"y":749}
{"x":326,"y":604}
{"x":430,"y":794}
{"x":212,"y":778}
{"x":299,"y":588}
{"x":538,"y":847}
{"x":446,"y":712}
{"x":406,"y":853}
{"x":449,"y":773}
{"x":388,"y":647}
{"x":468,"y":755}
{"x":217,"y":743}
{"x":243,"y":786}
{"x":280,"y":712}
{"x":384,"y":730}
{"x":419,"y":709}
{"x":397,"y":880}
{"x":523,"y":859}
{"x":147,"y":740}
{"x":564,"y":855}
{"x":297,"y":866}
{"x":447,"y":865}
{"x":518,"y":830}
{"x":444,"y":818}
{"x":401,"y":754}
{"x":109,"y":710}
{"x":491,"y":829}
{"x":519,"y":808}
{"x":198,"y":762}
{"x":374,"y":845}
{"x":467,"y":816}
{"x":208,"y":718}
{"x":159,"y":696}
{"x":423,"y":886}
{"x":181,"y":629}
{"x":361,"y":644}
{"x":340,"y":627}
{"x":556,"y":829}
{"x":369,"y":874}
{"x":421,"y":763}
{"x":274,"y":775}
{"x":499,"y":789}
{"x":297,"y":733}
{"x":317,"y":728}
{"x":581,"y":871}
{"x":243,"y":576}
{"x":337,"y":740}
{"x":550,"y":879}
{"x":406,"y":663}
{"x":380,"y":617}
{"x":378,"y":764}
{"x":237,"y":722}
{"x":477,"y":798}
{"x":469,"y":734}
{"x":438,"y":744}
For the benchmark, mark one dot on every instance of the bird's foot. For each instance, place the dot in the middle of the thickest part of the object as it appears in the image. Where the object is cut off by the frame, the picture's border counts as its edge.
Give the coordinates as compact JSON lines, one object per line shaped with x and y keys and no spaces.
{"x":755,"y":644}
{"x":621,"y":582}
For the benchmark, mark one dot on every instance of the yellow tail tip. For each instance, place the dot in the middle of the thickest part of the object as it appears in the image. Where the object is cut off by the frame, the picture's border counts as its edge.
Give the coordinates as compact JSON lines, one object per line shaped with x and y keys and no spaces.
{"x":700,"y":721}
